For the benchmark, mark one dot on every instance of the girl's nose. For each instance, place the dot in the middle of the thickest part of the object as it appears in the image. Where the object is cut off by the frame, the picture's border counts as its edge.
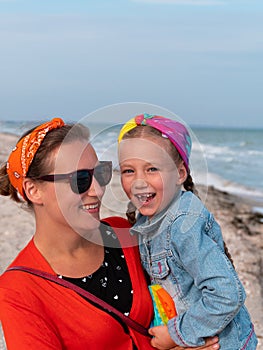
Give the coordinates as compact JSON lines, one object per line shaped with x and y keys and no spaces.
{"x":139,"y":183}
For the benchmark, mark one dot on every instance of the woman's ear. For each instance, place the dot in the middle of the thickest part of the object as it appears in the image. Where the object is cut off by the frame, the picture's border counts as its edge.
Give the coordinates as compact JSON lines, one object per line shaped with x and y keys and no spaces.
{"x":182,"y":174}
{"x":32,"y":191}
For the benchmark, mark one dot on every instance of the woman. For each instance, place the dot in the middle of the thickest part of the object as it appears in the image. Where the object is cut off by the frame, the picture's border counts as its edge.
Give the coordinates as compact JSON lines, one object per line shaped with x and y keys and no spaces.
{"x":56,"y":171}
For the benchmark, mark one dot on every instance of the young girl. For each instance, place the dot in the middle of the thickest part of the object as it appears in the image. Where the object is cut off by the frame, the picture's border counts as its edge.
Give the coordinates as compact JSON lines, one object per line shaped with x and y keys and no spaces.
{"x":181,"y":244}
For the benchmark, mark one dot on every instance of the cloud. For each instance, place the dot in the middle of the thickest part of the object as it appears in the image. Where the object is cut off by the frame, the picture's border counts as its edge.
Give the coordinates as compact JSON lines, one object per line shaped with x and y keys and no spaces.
{"x":184,"y":2}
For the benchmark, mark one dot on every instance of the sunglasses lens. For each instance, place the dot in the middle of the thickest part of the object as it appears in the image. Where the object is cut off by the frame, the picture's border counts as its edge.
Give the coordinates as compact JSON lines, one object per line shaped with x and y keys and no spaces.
{"x":81,"y":181}
{"x":103,"y":173}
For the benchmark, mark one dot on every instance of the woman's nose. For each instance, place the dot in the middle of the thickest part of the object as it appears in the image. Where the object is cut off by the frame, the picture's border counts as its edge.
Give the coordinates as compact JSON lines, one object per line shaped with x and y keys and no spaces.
{"x":96,"y":189}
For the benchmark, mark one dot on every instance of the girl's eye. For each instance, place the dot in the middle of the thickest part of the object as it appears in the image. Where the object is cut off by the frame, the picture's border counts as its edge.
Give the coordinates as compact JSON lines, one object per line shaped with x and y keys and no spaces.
{"x":127,"y":171}
{"x":152,"y":169}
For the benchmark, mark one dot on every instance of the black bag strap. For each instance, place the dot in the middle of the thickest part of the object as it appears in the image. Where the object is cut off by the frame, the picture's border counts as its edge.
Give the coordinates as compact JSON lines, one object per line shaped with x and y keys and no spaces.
{"x":53,"y":278}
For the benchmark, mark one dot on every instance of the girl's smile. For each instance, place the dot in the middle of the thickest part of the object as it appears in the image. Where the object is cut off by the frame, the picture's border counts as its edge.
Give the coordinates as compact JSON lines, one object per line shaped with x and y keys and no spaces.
{"x":145,"y":198}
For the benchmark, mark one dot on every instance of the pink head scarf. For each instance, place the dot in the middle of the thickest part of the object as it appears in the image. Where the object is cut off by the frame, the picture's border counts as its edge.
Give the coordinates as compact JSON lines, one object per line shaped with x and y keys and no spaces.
{"x":173,"y":130}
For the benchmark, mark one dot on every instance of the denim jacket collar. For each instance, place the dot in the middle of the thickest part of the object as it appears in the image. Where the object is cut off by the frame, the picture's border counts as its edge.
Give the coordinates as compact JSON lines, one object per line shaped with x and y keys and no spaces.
{"x":145,"y":226}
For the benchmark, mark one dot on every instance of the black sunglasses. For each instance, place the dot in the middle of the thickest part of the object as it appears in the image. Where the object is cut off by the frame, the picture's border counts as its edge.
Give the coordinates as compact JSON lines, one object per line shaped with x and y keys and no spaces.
{"x":80,"y":180}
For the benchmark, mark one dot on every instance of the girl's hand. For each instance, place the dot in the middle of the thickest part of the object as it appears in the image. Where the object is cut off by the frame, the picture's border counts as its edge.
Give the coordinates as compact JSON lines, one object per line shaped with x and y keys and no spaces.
{"x":161,"y":338}
{"x":210,"y":344}
{"x":162,"y":341}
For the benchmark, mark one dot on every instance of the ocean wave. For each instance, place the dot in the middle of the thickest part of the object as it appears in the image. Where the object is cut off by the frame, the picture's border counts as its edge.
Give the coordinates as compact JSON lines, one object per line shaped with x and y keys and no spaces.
{"x":212,"y":179}
{"x":231,"y":160}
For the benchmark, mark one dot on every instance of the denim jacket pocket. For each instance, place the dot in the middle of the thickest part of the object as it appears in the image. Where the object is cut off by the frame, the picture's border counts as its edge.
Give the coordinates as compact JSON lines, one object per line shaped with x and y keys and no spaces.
{"x":159,"y":267}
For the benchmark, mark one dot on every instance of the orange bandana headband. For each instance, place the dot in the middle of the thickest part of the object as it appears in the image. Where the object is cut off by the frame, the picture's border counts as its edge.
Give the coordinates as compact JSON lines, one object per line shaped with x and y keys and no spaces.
{"x":23,"y":154}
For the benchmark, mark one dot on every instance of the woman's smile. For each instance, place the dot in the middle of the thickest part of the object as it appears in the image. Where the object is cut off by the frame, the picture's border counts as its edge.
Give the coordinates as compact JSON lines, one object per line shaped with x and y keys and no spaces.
{"x":91,"y":208}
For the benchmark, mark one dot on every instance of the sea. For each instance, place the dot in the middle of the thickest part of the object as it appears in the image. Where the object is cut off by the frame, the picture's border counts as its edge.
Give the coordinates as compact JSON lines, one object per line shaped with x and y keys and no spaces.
{"x":230,"y":159}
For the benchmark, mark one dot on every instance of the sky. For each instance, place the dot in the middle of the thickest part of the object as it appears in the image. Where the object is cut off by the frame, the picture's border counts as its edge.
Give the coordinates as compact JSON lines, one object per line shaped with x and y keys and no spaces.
{"x":199,"y":59}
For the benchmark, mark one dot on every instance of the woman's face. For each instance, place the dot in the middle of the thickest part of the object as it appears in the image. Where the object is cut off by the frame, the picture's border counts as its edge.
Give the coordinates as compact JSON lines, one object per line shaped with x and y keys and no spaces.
{"x":63,"y":207}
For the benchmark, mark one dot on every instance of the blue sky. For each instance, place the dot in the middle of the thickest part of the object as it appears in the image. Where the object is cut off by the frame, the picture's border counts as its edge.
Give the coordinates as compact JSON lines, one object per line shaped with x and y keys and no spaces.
{"x":200,"y":59}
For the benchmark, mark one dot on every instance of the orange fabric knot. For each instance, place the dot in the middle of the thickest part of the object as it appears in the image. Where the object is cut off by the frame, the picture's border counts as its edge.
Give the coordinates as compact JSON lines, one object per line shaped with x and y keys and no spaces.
{"x":23,"y":154}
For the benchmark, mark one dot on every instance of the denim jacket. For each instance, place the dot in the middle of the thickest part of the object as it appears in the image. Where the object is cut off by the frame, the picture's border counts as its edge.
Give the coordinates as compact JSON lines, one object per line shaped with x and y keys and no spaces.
{"x":182,"y":249}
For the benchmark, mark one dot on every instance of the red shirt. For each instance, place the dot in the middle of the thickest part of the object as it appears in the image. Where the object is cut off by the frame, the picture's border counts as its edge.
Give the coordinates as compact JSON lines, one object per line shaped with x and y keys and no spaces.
{"x":38,"y":314}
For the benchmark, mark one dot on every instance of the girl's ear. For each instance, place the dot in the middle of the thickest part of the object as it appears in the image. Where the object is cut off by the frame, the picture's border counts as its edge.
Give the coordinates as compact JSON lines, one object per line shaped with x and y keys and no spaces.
{"x":32,"y":191}
{"x":182,"y":174}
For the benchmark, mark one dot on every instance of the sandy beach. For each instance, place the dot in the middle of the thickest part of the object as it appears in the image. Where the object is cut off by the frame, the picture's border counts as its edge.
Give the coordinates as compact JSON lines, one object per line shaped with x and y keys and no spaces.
{"x":242,"y":230}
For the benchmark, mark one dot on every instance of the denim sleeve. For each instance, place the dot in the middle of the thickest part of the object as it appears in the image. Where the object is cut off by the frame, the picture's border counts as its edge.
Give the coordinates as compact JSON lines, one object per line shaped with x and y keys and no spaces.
{"x":216,"y":294}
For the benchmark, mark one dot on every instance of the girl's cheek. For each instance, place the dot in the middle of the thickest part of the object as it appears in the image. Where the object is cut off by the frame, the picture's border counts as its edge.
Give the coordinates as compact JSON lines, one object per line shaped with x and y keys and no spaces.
{"x":124,"y":184}
{"x":127,"y":190}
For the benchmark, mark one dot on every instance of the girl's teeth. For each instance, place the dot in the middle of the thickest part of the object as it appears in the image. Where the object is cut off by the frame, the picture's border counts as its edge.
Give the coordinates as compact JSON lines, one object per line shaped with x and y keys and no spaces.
{"x":144,"y":197}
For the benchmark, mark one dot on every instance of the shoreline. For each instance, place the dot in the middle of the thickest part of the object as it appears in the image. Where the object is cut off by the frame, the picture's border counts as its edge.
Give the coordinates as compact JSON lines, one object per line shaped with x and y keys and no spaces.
{"x":242,"y":229}
{"x":252,"y":195}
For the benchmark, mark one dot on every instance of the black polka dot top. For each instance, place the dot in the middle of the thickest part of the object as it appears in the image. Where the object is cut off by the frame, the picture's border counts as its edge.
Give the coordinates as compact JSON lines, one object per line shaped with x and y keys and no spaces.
{"x":111,"y":282}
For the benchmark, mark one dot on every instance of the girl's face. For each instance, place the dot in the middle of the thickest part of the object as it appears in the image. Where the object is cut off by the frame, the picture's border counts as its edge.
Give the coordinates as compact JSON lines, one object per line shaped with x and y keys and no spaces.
{"x":79,"y":212}
{"x":149,"y":175}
